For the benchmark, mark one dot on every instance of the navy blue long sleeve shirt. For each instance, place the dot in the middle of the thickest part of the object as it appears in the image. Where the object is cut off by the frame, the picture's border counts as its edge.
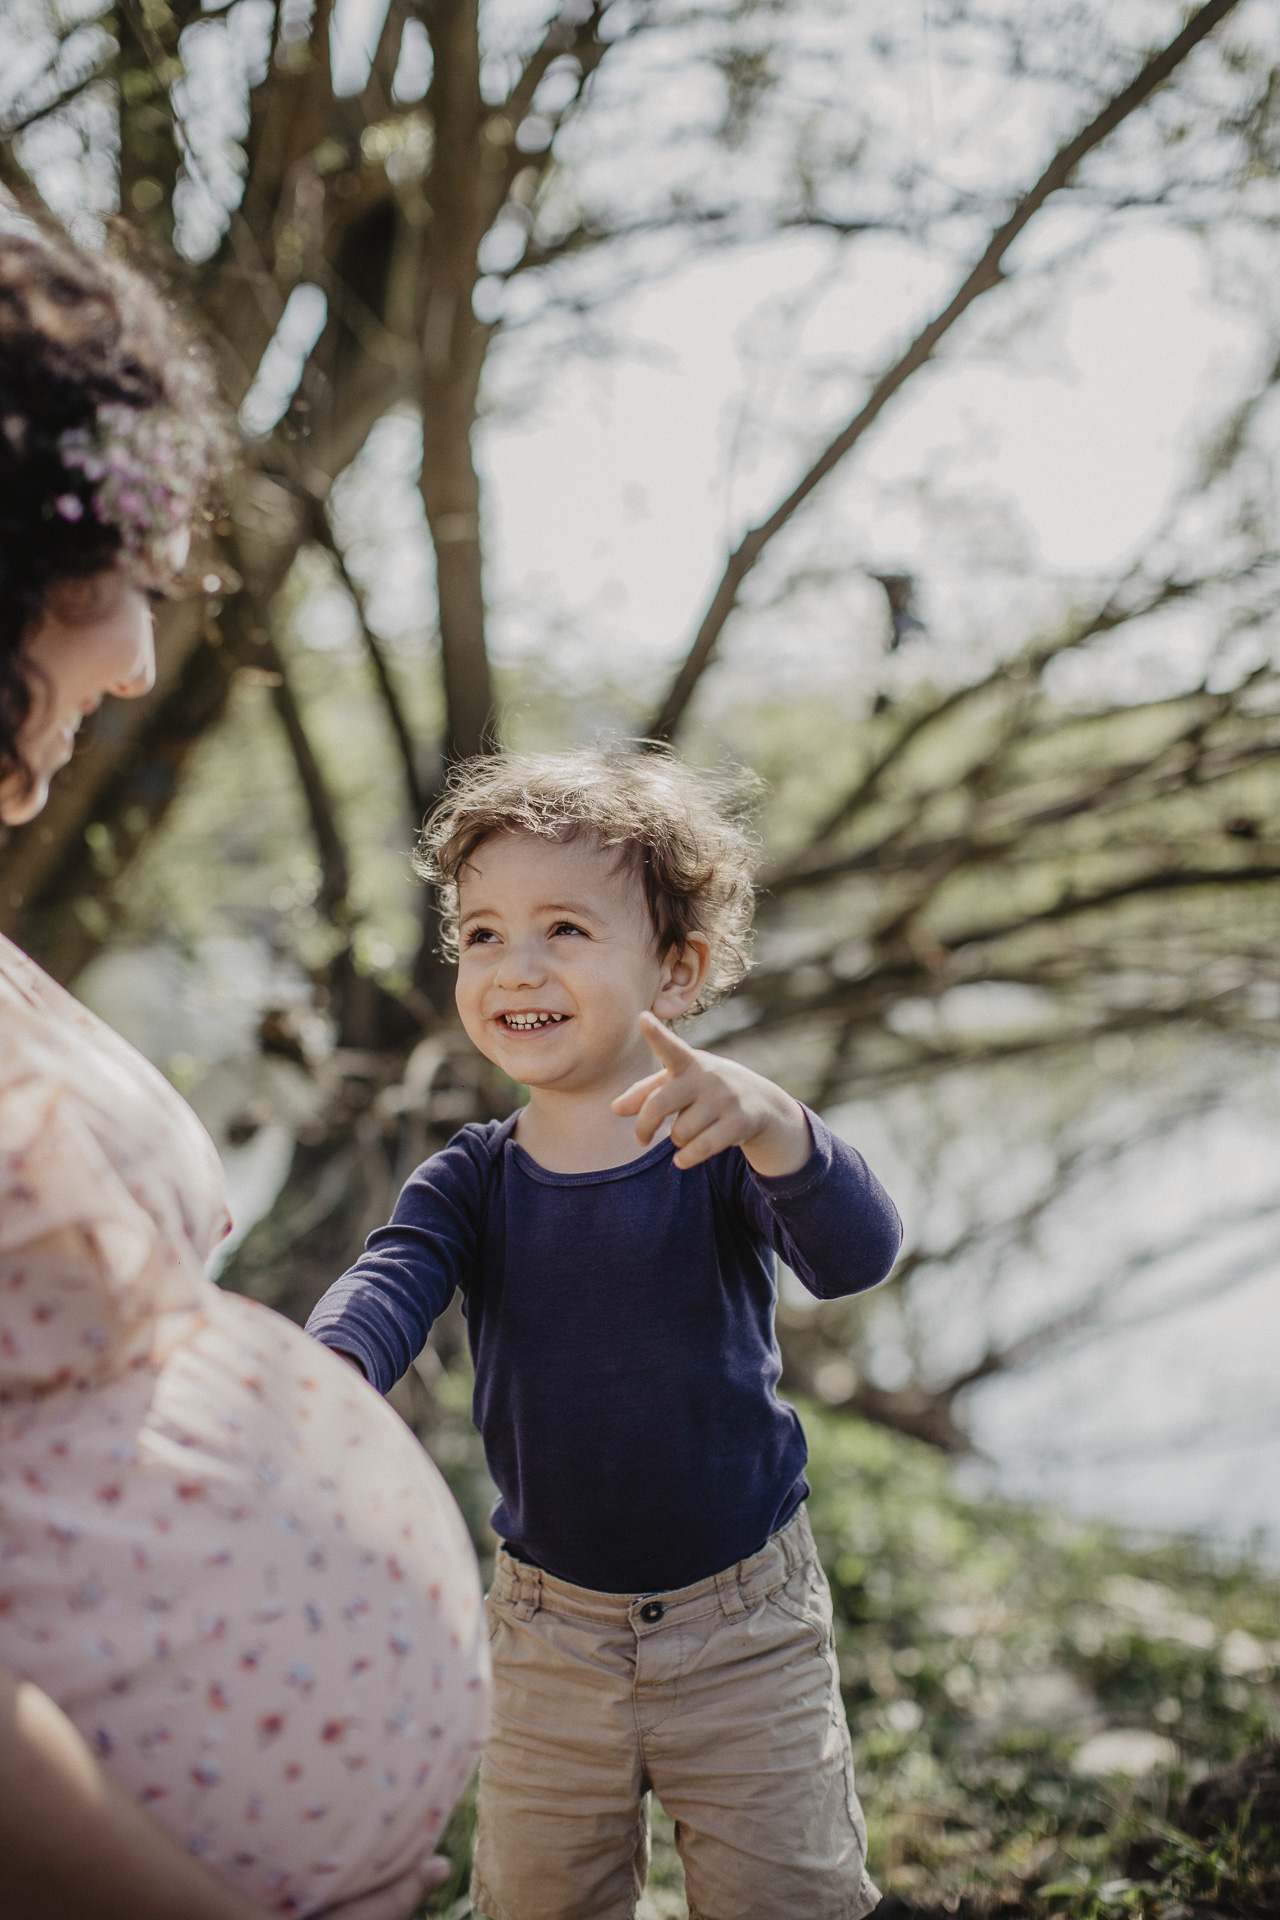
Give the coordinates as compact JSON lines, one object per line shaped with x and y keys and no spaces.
{"x":621,"y":1324}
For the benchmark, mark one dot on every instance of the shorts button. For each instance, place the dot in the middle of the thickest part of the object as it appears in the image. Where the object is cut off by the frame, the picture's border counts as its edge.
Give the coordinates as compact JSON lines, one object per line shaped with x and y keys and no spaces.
{"x":651,"y":1612}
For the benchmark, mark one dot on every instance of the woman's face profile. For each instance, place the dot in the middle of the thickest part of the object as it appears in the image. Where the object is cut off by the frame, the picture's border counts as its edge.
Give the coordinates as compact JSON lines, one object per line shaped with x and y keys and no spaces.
{"x":94,"y":638}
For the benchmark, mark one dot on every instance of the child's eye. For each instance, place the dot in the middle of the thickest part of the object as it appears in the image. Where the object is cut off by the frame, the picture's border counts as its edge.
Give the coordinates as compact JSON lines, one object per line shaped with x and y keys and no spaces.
{"x":475,"y":935}
{"x":567,"y":926}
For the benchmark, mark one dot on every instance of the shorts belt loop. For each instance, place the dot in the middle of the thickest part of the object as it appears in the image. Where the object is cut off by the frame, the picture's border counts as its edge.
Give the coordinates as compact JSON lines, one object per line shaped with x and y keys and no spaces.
{"x":529,"y":1594}
{"x":728,"y":1586}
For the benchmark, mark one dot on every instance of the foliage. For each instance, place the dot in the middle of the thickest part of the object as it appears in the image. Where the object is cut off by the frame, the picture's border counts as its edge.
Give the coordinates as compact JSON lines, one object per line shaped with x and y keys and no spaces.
{"x":982,"y":1643}
{"x":1238,"y":1870}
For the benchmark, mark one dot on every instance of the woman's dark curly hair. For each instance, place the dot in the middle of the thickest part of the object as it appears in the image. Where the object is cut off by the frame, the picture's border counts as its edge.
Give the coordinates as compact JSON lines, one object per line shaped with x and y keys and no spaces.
{"x":77,"y":332}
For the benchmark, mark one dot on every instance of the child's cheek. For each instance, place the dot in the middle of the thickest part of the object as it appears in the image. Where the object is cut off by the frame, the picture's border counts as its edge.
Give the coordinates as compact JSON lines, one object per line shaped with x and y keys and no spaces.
{"x":466,"y":994}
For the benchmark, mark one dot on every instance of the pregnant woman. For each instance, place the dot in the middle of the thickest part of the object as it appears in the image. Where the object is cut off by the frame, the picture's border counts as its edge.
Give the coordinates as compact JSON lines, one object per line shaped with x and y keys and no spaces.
{"x":233,"y":1590}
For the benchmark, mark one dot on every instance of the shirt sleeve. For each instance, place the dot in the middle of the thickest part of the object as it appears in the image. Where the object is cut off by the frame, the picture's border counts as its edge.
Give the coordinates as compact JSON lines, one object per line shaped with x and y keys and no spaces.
{"x":83,"y":1291}
{"x":382,"y":1308}
{"x":832,"y":1221}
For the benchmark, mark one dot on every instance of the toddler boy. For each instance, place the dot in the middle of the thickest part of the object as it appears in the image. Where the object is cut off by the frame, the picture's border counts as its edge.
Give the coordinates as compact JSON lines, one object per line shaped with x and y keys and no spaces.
{"x":658,"y":1617}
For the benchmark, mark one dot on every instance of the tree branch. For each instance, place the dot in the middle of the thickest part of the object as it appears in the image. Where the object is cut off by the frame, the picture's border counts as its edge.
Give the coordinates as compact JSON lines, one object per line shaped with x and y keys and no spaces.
{"x":322,"y":812}
{"x":988,"y":273}
{"x":414,"y":792}
{"x":1029,"y":665}
{"x":1000,"y":828}
{"x":26,"y":196}
{"x":12,"y":128}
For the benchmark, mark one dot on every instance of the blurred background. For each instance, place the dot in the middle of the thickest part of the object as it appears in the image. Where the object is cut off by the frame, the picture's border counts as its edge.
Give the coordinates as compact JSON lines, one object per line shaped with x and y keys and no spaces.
{"x":882,"y":402}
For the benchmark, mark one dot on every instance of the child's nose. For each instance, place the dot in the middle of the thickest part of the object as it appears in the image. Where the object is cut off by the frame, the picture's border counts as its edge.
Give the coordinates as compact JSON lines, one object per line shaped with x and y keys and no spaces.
{"x":520,"y":966}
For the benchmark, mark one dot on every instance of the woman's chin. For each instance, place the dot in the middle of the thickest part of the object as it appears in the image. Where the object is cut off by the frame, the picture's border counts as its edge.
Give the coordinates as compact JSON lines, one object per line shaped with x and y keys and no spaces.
{"x":20,"y":802}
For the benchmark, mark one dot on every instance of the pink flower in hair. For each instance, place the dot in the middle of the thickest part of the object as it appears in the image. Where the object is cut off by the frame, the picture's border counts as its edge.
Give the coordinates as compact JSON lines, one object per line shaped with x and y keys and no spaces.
{"x":148,"y":470}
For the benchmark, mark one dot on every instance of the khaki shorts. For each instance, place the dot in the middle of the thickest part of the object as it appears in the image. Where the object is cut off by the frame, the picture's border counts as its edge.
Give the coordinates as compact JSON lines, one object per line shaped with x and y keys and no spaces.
{"x":723,"y":1698}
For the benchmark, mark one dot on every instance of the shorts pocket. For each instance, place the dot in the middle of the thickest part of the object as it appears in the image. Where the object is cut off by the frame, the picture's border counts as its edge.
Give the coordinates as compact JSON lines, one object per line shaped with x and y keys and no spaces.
{"x":493,"y":1616}
{"x":806,"y":1599}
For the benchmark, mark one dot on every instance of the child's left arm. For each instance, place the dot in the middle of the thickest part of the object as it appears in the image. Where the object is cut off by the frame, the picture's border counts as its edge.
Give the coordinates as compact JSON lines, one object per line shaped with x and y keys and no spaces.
{"x":715,"y":1104}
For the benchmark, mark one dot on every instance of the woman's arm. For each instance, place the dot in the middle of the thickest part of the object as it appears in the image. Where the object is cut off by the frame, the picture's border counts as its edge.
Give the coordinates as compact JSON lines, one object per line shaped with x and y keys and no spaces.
{"x":74,"y":1845}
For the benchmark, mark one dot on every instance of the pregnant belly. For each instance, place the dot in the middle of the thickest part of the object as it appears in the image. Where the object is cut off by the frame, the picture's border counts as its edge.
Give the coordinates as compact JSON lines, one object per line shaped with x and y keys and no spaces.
{"x":253,"y":1593}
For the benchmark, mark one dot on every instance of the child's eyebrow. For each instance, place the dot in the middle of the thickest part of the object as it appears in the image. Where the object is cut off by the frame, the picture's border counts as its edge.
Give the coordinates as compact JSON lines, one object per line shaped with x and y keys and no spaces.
{"x":574,"y":907}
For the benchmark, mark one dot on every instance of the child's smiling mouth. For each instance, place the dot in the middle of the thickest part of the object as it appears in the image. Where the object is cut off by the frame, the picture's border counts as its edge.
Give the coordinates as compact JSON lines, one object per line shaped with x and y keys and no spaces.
{"x":529,"y":1022}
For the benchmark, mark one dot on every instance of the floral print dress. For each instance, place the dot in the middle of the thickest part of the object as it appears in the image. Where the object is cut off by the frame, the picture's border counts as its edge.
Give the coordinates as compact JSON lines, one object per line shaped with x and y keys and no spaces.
{"x":220,"y":1552}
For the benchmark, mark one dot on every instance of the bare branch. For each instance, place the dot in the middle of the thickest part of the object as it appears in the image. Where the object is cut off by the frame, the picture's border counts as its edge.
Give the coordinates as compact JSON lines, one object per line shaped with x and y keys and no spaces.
{"x":927,"y":1407}
{"x":1002,"y":828}
{"x":1085,"y":1321}
{"x":17,"y":185}
{"x":987,"y":274}
{"x":1028,"y":666}
{"x":414,"y":793}
{"x":335,"y":873}
{"x":12,"y":128}
{"x":918,"y":1062}
{"x":575,"y":35}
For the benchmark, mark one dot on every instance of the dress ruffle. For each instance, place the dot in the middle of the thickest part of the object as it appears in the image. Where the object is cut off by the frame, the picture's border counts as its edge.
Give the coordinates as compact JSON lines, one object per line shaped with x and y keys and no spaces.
{"x":102,"y":1246}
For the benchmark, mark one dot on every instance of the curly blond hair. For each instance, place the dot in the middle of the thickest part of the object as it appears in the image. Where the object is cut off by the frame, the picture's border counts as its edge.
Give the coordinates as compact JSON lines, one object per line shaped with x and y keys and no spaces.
{"x":683,"y":833}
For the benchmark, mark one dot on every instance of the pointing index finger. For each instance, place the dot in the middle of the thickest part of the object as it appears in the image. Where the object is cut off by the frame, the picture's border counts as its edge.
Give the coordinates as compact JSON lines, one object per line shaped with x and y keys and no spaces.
{"x":669,"y":1047}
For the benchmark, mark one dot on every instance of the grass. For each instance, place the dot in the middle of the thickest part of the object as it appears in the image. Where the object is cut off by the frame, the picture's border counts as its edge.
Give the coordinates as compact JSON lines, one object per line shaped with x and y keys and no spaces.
{"x":984,"y":1649}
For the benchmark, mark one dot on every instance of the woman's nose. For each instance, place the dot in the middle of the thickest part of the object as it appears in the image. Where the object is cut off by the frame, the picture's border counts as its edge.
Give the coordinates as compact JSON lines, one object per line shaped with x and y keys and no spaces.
{"x":137,"y":684}
{"x":141,"y":676}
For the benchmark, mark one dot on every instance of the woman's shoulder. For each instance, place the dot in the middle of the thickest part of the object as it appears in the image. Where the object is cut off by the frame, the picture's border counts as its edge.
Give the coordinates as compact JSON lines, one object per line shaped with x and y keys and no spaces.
{"x":30,"y":998}
{"x":47,"y":1031}
{"x":43,"y":1030}
{"x":69,"y":1080}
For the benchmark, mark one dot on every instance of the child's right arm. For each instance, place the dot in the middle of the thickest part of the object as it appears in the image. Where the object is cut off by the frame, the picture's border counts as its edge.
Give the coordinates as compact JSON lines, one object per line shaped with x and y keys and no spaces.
{"x":381,"y":1310}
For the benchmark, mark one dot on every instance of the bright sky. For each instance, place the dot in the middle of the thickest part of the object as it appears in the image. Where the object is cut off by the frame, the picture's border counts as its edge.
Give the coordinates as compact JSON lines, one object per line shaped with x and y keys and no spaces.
{"x":613,"y":503}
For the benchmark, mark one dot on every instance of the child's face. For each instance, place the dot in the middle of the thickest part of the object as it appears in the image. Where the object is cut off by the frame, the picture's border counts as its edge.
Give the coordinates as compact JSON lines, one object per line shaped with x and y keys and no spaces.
{"x":558,"y":961}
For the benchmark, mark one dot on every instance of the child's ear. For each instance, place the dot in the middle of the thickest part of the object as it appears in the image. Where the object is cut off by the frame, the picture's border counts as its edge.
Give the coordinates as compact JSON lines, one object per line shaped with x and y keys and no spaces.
{"x":683,"y":977}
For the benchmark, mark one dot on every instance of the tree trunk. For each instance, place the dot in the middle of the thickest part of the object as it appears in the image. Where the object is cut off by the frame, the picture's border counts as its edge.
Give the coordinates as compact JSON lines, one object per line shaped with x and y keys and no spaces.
{"x":453,"y":351}
{"x":451,"y":494}
{"x":149,"y":153}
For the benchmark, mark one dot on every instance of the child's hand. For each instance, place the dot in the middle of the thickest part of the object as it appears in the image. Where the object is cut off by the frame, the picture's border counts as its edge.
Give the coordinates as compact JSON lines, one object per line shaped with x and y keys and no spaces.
{"x":716,"y":1104}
